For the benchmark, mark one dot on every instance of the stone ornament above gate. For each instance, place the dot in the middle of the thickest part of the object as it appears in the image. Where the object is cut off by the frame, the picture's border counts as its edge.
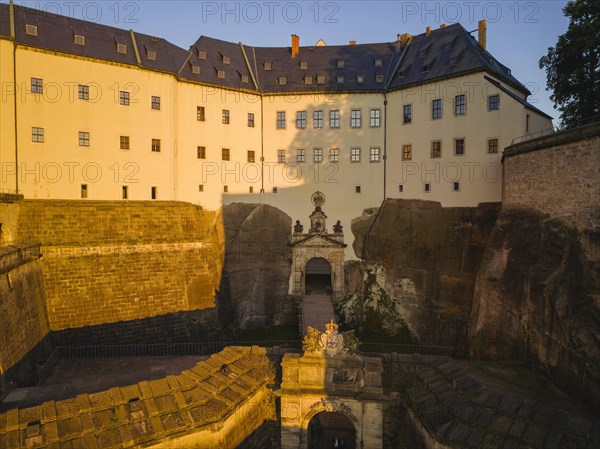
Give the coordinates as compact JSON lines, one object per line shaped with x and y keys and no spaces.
{"x":330,"y":342}
{"x":318,"y":199}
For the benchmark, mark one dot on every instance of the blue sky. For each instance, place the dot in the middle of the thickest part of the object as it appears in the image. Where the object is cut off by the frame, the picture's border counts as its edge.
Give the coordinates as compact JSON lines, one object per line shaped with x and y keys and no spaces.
{"x":519,"y":32}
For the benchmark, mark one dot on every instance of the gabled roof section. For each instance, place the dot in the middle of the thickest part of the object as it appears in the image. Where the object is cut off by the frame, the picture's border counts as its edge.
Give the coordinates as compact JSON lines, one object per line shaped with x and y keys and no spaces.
{"x":309,"y":238}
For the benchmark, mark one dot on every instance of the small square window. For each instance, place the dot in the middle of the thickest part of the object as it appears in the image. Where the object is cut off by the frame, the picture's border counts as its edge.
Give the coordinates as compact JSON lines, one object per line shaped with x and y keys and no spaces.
{"x":124,"y":192}
{"x":122,"y":48}
{"x":37,"y":135}
{"x":493,"y":102}
{"x":274,"y":189}
{"x":151,"y":54}
{"x":401,"y":188}
{"x":201,"y":152}
{"x":155,"y":103}
{"x":406,"y":152}
{"x":378,"y":62}
{"x":201,"y":54}
{"x":84,"y":139}
{"x":456,"y":186}
{"x":155,"y":145}
{"x":83,"y":92}
{"x":84,"y":191}
{"x":221,"y":74}
{"x":282,"y":80}
{"x":32,"y":30}
{"x":245,"y":79}
{"x":379,"y":78}
{"x":340,"y":79}
{"x":320,"y":79}
{"x":357,"y":189}
{"x":124,"y":142}
{"x":360,"y":78}
{"x":200,"y":113}
{"x":200,"y":187}
{"x":225,"y":189}
{"x":267,"y":65}
{"x":226,"y":59}
{"x":196,"y":69}
{"x":225,"y":154}
{"x":37,"y":86}
{"x":427,"y":187}
{"x":304,"y":65}
{"x":153,"y":192}
{"x":124,"y":98}
{"x":250,"y":120}
{"x":308,"y":79}
{"x":459,"y":147}
{"x":225,"y":116}
{"x":340,"y":63}
{"x":79,"y":39}
{"x":492,"y":146}
{"x":281,"y":156}
{"x":250,"y":189}
{"x":251,"y":156}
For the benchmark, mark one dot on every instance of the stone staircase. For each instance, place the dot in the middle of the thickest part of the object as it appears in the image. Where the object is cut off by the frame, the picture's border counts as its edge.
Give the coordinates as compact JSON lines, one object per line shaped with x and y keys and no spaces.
{"x":316,"y":311}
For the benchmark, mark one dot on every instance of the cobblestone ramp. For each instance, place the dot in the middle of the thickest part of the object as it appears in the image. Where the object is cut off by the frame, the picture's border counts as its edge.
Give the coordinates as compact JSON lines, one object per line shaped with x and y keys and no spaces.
{"x":316,"y":311}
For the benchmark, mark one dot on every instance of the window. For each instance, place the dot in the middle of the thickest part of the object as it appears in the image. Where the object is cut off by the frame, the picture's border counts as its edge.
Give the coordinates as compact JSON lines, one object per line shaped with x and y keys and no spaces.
{"x":401,"y":188}
{"x":37,"y":86}
{"x":334,"y":119}
{"x":281,"y":156}
{"x":155,"y":103}
{"x":334,"y":155}
{"x":304,"y":65}
{"x":308,"y":79}
{"x":79,"y":39}
{"x":379,"y":78}
{"x":318,"y":119}
{"x":281,"y":120}
{"x":251,"y":156}
{"x":124,"y":192}
{"x":375,"y":118}
{"x":427,"y":187}
{"x":406,"y":152}
{"x":250,"y":120}
{"x":301,"y":119}
{"x":226,"y":59}
{"x":374,"y":154}
{"x":340,"y":63}
{"x":124,"y":142}
{"x":195,"y":69}
{"x":124,"y":98}
{"x":225,"y":154}
{"x":360,"y":78}
{"x":492,"y":146}
{"x":493,"y":102}
{"x":37,"y":135}
{"x":245,"y":79}
{"x":460,"y":104}
{"x":83,"y":92}
{"x":282,"y":80}
{"x":355,"y":120}
{"x":378,"y":62}
{"x":250,"y":189}
{"x":436,"y":149}
{"x":156,"y":145}
{"x":121,"y":48}
{"x":274,"y":189}
{"x":84,"y":191}
{"x":225,"y":189}
{"x":221,"y":74}
{"x":153,"y":191}
{"x":456,"y":186}
{"x":201,"y":152}
{"x":151,"y":55}
{"x":201,"y":54}
{"x":320,"y":79}
{"x":267,"y":65}
{"x":200,"y":187}
{"x":200,"y":114}
{"x":436,"y":109}
{"x":459,"y":147}
{"x":84,"y":139}
{"x":527,"y":122}
{"x":318,"y":156}
{"x":225,"y":116}
{"x":407,"y":114}
{"x":354,"y":154}
{"x":357,"y":189}
{"x":300,"y":155}
{"x":32,"y":30}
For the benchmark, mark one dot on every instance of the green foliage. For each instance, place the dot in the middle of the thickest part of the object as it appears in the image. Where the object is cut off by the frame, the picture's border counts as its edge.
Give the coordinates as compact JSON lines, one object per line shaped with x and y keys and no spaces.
{"x":573,"y":65}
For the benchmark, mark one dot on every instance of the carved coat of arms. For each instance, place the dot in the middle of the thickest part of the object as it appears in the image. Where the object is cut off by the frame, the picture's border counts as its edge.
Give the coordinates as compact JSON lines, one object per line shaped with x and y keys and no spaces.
{"x":330,"y":342}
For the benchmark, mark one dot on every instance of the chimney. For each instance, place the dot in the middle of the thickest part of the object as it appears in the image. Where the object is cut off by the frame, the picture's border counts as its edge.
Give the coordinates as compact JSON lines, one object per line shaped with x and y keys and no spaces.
{"x":428,"y":31}
{"x":295,"y":45}
{"x":352,"y":43}
{"x":443,"y":25}
{"x":481,"y":38}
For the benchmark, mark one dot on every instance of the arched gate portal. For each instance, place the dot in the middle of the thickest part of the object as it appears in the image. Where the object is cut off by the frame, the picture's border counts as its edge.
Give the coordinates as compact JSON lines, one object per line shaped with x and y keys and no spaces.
{"x":317,"y":276}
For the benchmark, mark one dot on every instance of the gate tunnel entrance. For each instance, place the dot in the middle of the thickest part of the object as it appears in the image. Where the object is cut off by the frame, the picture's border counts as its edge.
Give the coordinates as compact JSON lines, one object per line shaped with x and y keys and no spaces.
{"x":324,"y":427}
{"x":317,"y":276}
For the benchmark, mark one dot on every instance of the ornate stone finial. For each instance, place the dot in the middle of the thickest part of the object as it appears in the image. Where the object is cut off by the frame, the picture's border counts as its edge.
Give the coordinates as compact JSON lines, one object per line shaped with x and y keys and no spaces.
{"x":298,"y":228}
{"x":338,"y":228}
{"x":318,"y":199}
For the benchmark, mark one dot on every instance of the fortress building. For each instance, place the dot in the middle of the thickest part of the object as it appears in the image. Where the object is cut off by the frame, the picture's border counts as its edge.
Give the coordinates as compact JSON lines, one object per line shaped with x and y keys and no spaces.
{"x":91,"y":111}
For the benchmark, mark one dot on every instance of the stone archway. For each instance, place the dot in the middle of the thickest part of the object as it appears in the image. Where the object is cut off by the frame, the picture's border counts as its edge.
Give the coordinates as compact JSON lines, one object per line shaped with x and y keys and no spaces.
{"x":324,"y":426}
{"x":317,"y":276}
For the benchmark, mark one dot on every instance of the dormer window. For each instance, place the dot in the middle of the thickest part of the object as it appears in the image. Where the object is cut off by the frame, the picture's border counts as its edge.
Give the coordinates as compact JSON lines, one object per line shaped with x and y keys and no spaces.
{"x":201,"y":54}
{"x":151,"y":55}
{"x":79,"y":39}
{"x":196,"y":69}
{"x":308,"y":79}
{"x":226,"y":59}
{"x":426,"y":68}
{"x":379,"y":78}
{"x":32,"y":30}
{"x":422,"y":53}
{"x":245,"y":79}
{"x":447,"y":46}
{"x":320,"y":79}
{"x":340,"y":79}
{"x":267,"y":65}
{"x":378,"y":62}
{"x":282,"y":80}
{"x":122,"y":48}
{"x":360,"y":78}
{"x":304,"y":65}
{"x":221,"y":74}
{"x":340,"y":63}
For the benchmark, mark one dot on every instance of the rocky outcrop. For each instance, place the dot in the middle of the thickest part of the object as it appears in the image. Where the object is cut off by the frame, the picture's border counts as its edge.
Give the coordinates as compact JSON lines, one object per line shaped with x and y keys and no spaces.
{"x":254,"y":285}
{"x":421,"y":261}
{"x":536,"y":298}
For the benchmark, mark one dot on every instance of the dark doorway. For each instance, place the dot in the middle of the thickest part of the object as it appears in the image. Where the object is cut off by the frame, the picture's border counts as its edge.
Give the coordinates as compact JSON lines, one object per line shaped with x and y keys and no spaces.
{"x":325,"y":426}
{"x":317,"y":277}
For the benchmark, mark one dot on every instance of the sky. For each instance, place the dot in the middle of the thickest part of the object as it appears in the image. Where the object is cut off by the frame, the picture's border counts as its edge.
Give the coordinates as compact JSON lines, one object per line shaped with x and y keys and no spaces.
{"x":518,"y":32}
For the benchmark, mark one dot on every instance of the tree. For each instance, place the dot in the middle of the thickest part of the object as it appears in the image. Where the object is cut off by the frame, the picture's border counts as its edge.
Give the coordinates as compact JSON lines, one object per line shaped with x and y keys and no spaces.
{"x":573,"y":66}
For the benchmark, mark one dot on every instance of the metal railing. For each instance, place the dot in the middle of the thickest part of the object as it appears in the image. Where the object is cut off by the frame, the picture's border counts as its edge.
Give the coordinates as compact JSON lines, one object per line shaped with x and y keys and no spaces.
{"x":451,"y":351}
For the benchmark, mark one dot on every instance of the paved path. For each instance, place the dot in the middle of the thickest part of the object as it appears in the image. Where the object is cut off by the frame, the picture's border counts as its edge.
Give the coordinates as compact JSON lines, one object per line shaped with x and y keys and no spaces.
{"x":317,"y":310}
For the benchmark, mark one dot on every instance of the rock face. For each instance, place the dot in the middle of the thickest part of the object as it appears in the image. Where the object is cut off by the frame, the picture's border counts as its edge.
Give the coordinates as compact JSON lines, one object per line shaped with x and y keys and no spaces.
{"x":421,"y":263}
{"x":254,"y":285}
{"x":534,"y":299}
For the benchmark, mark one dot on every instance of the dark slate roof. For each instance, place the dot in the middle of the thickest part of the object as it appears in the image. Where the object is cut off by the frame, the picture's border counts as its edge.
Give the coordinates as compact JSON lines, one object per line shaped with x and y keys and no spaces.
{"x":448,"y":51}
